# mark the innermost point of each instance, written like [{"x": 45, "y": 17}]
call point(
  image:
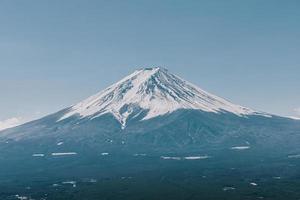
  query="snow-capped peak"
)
[{"x": 154, "y": 91}]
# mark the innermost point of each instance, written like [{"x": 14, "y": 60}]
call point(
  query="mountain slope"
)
[
  {"x": 157, "y": 109},
  {"x": 156, "y": 92}
]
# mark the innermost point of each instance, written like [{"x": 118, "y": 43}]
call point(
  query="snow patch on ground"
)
[
  {"x": 184, "y": 158},
  {"x": 22, "y": 197},
  {"x": 73, "y": 183},
  {"x": 196, "y": 157},
  {"x": 63, "y": 153},
  {"x": 228, "y": 188},
  {"x": 140, "y": 154},
  {"x": 92, "y": 180},
  {"x": 170, "y": 158},
  {"x": 294, "y": 156},
  {"x": 240, "y": 148},
  {"x": 38, "y": 155},
  {"x": 253, "y": 184}
]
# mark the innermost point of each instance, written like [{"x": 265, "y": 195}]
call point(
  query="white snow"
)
[
  {"x": 21, "y": 197},
  {"x": 140, "y": 154},
  {"x": 63, "y": 154},
  {"x": 240, "y": 148},
  {"x": 293, "y": 117},
  {"x": 12, "y": 122},
  {"x": 294, "y": 156},
  {"x": 156, "y": 91},
  {"x": 228, "y": 188},
  {"x": 170, "y": 158},
  {"x": 92, "y": 180},
  {"x": 73, "y": 183},
  {"x": 196, "y": 157},
  {"x": 38, "y": 155},
  {"x": 123, "y": 177},
  {"x": 184, "y": 158}
]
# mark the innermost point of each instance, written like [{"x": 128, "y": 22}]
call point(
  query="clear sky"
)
[{"x": 54, "y": 53}]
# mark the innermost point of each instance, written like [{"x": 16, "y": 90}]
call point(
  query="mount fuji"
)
[
  {"x": 155, "y": 91},
  {"x": 151, "y": 128},
  {"x": 155, "y": 108}
]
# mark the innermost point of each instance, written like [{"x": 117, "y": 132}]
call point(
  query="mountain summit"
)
[{"x": 152, "y": 92}]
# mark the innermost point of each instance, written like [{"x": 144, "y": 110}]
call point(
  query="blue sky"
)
[{"x": 55, "y": 53}]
